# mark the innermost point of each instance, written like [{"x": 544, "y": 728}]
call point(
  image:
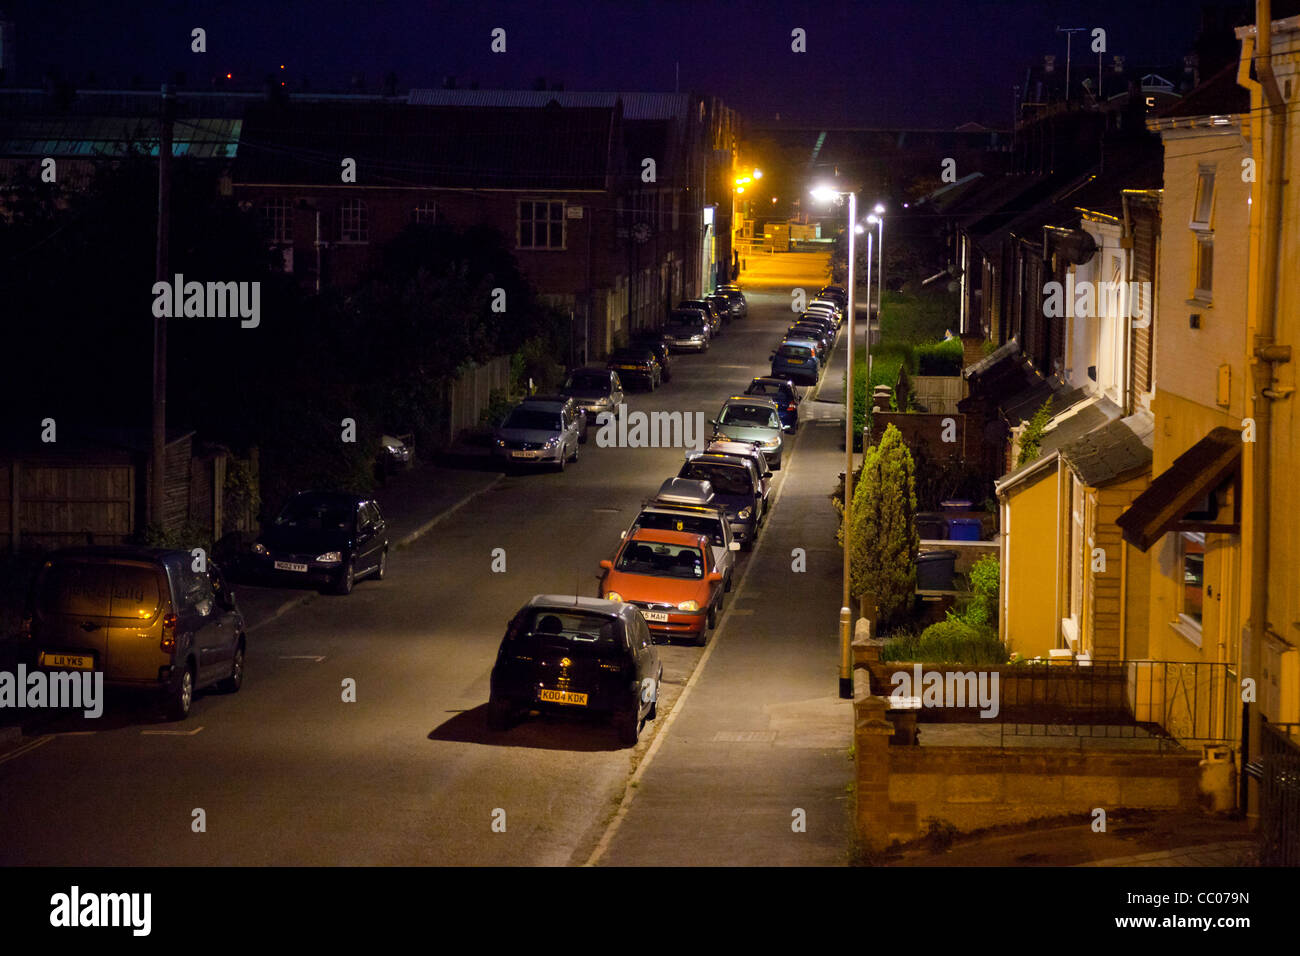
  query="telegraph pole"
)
[{"x": 158, "y": 482}]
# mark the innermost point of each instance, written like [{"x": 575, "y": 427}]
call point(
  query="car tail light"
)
[
  {"x": 790, "y": 407},
  {"x": 169, "y": 633}
]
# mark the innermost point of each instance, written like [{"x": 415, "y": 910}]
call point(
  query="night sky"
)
[{"x": 908, "y": 62}]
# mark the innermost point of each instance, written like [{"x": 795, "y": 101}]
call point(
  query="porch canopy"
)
[{"x": 1179, "y": 495}]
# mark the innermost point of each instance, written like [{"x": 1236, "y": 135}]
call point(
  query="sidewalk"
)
[{"x": 1228, "y": 853}]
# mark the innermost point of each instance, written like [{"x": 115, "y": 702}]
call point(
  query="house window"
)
[
  {"x": 354, "y": 222},
  {"x": 1204, "y": 206},
  {"x": 1191, "y": 561},
  {"x": 277, "y": 220},
  {"x": 1204, "y": 266},
  {"x": 541, "y": 224},
  {"x": 426, "y": 212}
]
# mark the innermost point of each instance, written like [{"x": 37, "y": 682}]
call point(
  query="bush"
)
[
  {"x": 1031, "y": 439},
  {"x": 957, "y": 641},
  {"x": 883, "y": 517},
  {"x": 939, "y": 358},
  {"x": 985, "y": 578}
]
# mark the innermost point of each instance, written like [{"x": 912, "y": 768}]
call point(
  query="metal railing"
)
[
  {"x": 1278, "y": 771},
  {"x": 1175, "y": 705}
]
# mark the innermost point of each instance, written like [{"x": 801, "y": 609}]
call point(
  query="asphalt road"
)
[{"x": 286, "y": 772}]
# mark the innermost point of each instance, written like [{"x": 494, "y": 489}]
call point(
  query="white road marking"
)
[
  {"x": 630, "y": 791},
  {"x": 26, "y": 748},
  {"x": 172, "y": 733},
  {"x": 301, "y": 657}
]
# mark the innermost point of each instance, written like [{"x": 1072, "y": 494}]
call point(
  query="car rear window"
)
[
  {"x": 691, "y": 524},
  {"x": 794, "y": 351},
  {"x": 588, "y": 382},
  {"x": 100, "y": 589},
  {"x": 726, "y": 479},
  {"x": 573, "y": 630},
  {"x": 661, "y": 560}
]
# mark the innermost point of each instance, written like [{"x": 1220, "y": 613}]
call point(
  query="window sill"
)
[
  {"x": 1187, "y": 629},
  {"x": 1201, "y": 300}
]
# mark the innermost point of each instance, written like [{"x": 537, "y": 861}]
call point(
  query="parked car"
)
[
  {"x": 815, "y": 332},
  {"x": 797, "y": 362},
  {"x": 567, "y": 653},
  {"x": 736, "y": 299},
  {"x": 710, "y": 520},
  {"x": 638, "y": 363},
  {"x": 565, "y": 404},
  {"x": 688, "y": 329},
  {"x": 142, "y": 616},
  {"x": 595, "y": 390},
  {"x": 752, "y": 419},
  {"x": 824, "y": 321},
  {"x": 808, "y": 338},
  {"x": 329, "y": 537},
  {"x": 744, "y": 449},
  {"x": 709, "y": 309},
  {"x": 737, "y": 484},
  {"x": 835, "y": 293},
  {"x": 396, "y": 453},
  {"x": 671, "y": 578},
  {"x": 782, "y": 391},
  {"x": 537, "y": 436},
  {"x": 654, "y": 341},
  {"x": 829, "y": 308},
  {"x": 722, "y": 304}
]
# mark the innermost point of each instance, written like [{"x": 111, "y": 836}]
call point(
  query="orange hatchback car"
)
[{"x": 670, "y": 576}]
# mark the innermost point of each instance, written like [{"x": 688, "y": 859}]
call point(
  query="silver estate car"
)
[{"x": 750, "y": 418}]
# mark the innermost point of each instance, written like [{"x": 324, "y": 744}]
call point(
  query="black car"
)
[
  {"x": 737, "y": 486},
  {"x": 709, "y": 308},
  {"x": 639, "y": 363},
  {"x": 655, "y": 342},
  {"x": 328, "y": 537},
  {"x": 722, "y": 304},
  {"x": 784, "y": 393},
  {"x": 736, "y": 300},
  {"x": 577, "y": 654}
]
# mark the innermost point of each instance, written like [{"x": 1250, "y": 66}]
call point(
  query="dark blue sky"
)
[{"x": 868, "y": 62}]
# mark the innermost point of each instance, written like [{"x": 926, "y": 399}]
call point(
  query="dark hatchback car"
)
[
  {"x": 736, "y": 300},
  {"x": 737, "y": 486},
  {"x": 577, "y": 654},
  {"x": 784, "y": 393},
  {"x": 655, "y": 342},
  {"x": 710, "y": 310},
  {"x": 144, "y": 617},
  {"x": 639, "y": 364},
  {"x": 325, "y": 537}
]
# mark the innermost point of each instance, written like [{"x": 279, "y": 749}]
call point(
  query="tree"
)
[{"x": 885, "y": 540}]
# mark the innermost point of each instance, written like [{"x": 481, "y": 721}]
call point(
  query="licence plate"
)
[
  {"x": 795, "y": 361},
  {"x": 562, "y": 697},
  {"x": 290, "y": 566},
  {"x": 630, "y": 368},
  {"x": 81, "y": 662},
  {"x": 660, "y": 617},
  {"x": 523, "y": 454}
]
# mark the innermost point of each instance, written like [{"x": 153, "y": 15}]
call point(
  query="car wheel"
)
[
  {"x": 629, "y": 725},
  {"x": 653, "y": 712},
  {"x": 178, "y": 704},
  {"x": 702, "y": 638},
  {"x": 498, "y": 714},
  {"x": 712, "y": 620},
  {"x": 383, "y": 565},
  {"x": 559, "y": 462},
  {"x": 235, "y": 681},
  {"x": 347, "y": 578},
  {"x": 574, "y": 456}
]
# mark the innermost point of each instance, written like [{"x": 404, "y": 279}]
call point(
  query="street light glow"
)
[
  {"x": 872, "y": 220},
  {"x": 824, "y": 193},
  {"x": 758, "y": 174},
  {"x": 879, "y": 210}
]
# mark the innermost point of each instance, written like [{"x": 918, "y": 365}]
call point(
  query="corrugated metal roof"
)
[
  {"x": 91, "y": 136},
  {"x": 636, "y": 106}
]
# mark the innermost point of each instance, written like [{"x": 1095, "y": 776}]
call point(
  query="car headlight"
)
[
  {"x": 745, "y": 513},
  {"x": 392, "y": 449},
  {"x": 330, "y": 557},
  {"x": 552, "y": 442},
  {"x": 772, "y": 443},
  {"x": 501, "y": 443},
  {"x": 689, "y": 606},
  {"x": 613, "y": 596},
  {"x": 259, "y": 548}
]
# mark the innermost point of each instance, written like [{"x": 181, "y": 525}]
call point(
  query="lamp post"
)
[
  {"x": 826, "y": 193},
  {"x": 880, "y": 252}
]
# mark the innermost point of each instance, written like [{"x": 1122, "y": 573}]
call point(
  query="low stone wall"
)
[{"x": 899, "y": 787}]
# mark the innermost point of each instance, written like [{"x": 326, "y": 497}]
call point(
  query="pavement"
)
[{"x": 1224, "y": 853}]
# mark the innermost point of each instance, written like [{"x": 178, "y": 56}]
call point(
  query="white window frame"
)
[
  {"x": 1185, "y": 623},
  {"x": 425, "y": 213},
  {"x": 277, "y": 220},
  {"x": 354, "y": 222},
  {"x": 552, "y": 219}
]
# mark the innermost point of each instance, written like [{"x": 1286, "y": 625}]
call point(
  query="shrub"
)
[
  {"x": 956, "y": 641},
  {"x": 939, "y": 358},
  {"x": 1031, "y": 439},
  {"x": 885, "y": 542}
]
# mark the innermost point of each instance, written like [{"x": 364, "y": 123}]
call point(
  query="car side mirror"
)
[
  {"x": 622, "y": 535},
  {"x": 734, "y": 546},
  {"x": 607, "y": 565},
  {"x": 714, "y": 577}
]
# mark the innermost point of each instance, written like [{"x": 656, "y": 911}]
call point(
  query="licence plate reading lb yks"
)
[
  {"x": 81, "y": 662},
  {"x": 660, "y": 617},
  {"x": 289, "y": 566},
  {"x": 561, "y": 697}
]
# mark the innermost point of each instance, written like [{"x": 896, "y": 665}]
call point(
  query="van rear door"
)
[
  {"x": 72, "y": 614},
  {"x": 139, "y": 602}
]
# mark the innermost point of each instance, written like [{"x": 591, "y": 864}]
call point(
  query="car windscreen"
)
[
  {"x": 685, "y": 320},
  {"x": 101, "y": 589},
  {"x": 754, "y": 416},
  {"x": 533, "y": 419},
  {"x": 691, "y": 524},
  {"x": 588, "y": 383},
  {"x": 312, "y": 514},
  {"x": 661, "y": 560},
  {"x": 726, "y": 479},
  {"x": 570, "y": 628}
]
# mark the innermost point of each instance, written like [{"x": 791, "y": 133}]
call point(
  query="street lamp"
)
[
  {"x": 880, "y": 252},
  {"x": 827, "y": 194}
]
